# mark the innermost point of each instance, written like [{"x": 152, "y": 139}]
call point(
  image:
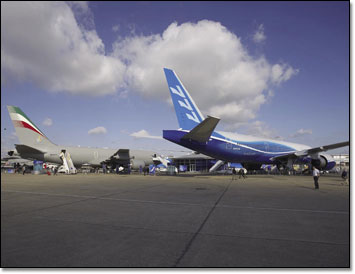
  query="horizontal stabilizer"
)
[
  {"x": 26, "y": 150},
  {"x": 202, "y": 132}
]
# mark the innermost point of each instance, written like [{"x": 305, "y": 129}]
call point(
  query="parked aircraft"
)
[
  {"x": 35, "y": 145},
  {"x": 198, "y": 134}
]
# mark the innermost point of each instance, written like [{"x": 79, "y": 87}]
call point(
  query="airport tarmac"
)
[{"x": 173, "y": 221}]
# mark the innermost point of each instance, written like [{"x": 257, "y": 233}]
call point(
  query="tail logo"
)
[
  {"x": 39, "y": 138},
  {"x": 185, "y": 104}
]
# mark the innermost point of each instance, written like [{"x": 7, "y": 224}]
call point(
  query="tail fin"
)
[
  {"x": 188, "y": 115},
  {"x": 27, "y": 132}
]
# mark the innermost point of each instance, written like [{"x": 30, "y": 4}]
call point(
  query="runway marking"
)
[
  {"x": 187, "y": 232},
  {"x": 274, "y": 239},
  {"x": 178, "y": 203},
  {"x": 288, "y": 209},
  {"x": 112, "y": 199},
  {"x": 48, "y": 194},
  {"x": 85, "y": 198},
  {"x": 194, "y": 235}
]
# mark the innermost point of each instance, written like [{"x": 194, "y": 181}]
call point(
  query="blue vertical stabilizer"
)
[{"x": 188, "y": 115}]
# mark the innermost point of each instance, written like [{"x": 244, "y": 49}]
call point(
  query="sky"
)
[{"x": 91, "y": 73}]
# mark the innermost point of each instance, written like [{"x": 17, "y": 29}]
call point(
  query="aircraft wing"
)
[{"x": 311, "y": 151}]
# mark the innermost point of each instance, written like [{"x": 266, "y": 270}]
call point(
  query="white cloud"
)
[
  {"x": 282, "y": 73},
  {"x": 43, "y": 42},
  {"x": 82, "y": 13},
  {"x": 261, "y": 129},
  {"x": 115, "y": 28},
  {"x": 301, "y": 132},
  {"x": 213, "y": 64},
  {"x": 55, "y": 45},
  {"x": 47, "y": 122},
  {"x": 144, "y": 134},
  {"x": 97, "y": 130},
  {"x": 259, "y": 36}
]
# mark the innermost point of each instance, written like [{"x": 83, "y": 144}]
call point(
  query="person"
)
[
  {"x": 55, "y": 170},
  {"x": 23, "y": 170},
  {"x": 241, "y": 173},
  {"x": 17, "y": 167},
  {"x": 344, "y": 175},
  {"x": 316, "y": 175},
  {"x": 234, "y": 174}
]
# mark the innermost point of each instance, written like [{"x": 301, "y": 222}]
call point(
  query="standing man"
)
[
  {"x": 241, "y": 173},
  {"x": 316, "y": 175},
  {"x": 234, "y": 176}
]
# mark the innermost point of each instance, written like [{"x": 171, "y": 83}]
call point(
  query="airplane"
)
[
  {"x": 35, "y": 145},
  {"x": 198, "y": 133}
]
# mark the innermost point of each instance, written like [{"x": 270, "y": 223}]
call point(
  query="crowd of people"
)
[{"x": 145, "y": 171}]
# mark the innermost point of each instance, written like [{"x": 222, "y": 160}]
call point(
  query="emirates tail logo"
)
[{"x": 39, "y": 139}]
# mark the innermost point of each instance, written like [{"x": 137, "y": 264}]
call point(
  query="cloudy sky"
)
[{"x": 91, "y": 74}]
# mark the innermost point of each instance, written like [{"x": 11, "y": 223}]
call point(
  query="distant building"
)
[
  {"x": 202, "y": 163},
  {"x": 194, "y": 162},
  {"x": 199, "y": 163}
]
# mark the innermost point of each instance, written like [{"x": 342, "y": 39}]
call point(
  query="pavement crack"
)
[
  {"x": 45, "y": 208},
  {"x": 187, "y": 247}
]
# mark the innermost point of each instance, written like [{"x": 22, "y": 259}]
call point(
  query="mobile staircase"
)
[
  {"x": 216, "y": 166},
  {"x": 67, "y": 162}
]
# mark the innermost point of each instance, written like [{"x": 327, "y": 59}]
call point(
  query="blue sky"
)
[{"x": 275, "y": 69}]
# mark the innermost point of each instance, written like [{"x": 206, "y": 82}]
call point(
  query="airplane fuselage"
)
[
  {"x": 198, "y": 133},
  {"x": 245, "y": 149},
  {"x": 85, "y": 155}
]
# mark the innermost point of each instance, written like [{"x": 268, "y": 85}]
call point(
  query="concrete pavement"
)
[{"x": 173, "y": 221}]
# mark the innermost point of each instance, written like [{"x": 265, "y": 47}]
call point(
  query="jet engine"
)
[
  {"x": 324, "y": 161},
  {"x": 136, "y": 164}
]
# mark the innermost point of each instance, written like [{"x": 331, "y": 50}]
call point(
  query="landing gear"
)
[{"x": 284, "y": 169}]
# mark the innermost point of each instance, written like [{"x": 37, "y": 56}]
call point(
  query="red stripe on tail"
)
[{"x": 25, "y": 125}]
